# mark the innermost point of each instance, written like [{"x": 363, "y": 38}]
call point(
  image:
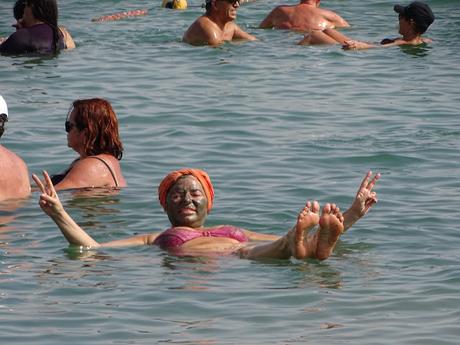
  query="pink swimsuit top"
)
[{"x": 176, "y": 237}]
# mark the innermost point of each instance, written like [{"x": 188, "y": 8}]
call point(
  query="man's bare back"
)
[
  {"x": 305, "y": 16},
  {"x": 14, "y": 176}
]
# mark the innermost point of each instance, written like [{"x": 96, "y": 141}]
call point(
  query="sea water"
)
[{"x": 275, "y": 124}]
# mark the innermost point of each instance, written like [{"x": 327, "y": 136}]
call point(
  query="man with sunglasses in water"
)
[
  {"x": 217, "y": 25},
  {"x": 14, "y": 175}
]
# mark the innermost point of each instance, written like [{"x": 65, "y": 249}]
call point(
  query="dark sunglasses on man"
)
[{"x": 234, "y": 2}]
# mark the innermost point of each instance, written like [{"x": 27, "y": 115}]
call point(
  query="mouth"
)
[{"x": 187, "y": 211}]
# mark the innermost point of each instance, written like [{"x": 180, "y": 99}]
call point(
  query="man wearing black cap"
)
[
  {"x": 217, "y": 25},
  {"x": 414, "y": 20},
  {"x": 14, "y": 175}
]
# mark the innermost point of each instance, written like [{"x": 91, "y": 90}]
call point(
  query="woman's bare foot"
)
[
  {"x": 330, "y": 229},
  {"x": 307, "y": 219}
]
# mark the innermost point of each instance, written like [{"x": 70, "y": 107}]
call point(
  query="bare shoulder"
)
[
  {"x": 14, "y": 175},
  {"x": 204, "y": 22},
  {"x": 327, "y": 12},
  {"x": 11, "y": 159},
  {"x": 283, "y": 8},
  {"x": 401, "y": 41},
  {"x": 91, "y": 172},
  {"x": 95, "y": 165},
  {"x": 333, "y": 17},
  {"x": 68, "y": 40},
  {"x": 203, "y": 31},
  {"x": 85, "y": 166}
]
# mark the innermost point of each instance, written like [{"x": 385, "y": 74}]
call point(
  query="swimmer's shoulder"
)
[
  {"x": 206, "y": 25},
  {"x": 399, "y": 41}
]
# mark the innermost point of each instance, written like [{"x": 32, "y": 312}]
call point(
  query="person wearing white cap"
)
[
  {"x": 217, "y": 25},
  {"x": 14, "y": 175}
]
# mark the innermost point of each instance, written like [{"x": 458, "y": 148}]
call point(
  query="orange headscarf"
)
[{"x": 173, "y": 176}]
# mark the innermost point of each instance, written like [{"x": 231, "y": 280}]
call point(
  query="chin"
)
[{"x": 187, "y": 221}]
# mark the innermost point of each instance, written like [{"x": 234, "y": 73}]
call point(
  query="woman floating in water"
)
[{"x": 187, "y": 196}]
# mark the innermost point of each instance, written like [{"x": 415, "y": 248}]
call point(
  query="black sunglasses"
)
[
  {"x": 69, "y": 126},
  {"x": 233, "y": 2}
]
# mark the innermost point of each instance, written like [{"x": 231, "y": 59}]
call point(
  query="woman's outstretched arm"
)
[
  {"x": 52, "y": 206},
  {"x": 257, "y": 236}
]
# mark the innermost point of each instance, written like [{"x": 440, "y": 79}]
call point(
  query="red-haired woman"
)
[{"x": 92, "y": 132}]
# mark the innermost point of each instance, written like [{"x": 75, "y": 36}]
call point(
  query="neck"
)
[
  {"x": 412, "y": 37},
  {"x": 35, "y": 22},
  {"x": 199, "y": 228},
  {"x": 220, "y": 22},
  {"x": 309, "y": 2}
]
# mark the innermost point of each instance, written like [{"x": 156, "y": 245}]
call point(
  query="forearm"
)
[
  {"x": 255, "y": 236},
  {"x": 278, "y": 249},
  {"x": 336, "y": 35},
  {"x": 72, "y": 231},
  {"x": 244, "y": 36},
  {"x": 139, "y": 240},
  {"x": 239, "y": 34},
  {"x": 350, "y": 217}
]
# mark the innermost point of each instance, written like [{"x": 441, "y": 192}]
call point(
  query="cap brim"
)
[
  {"x": 400, "y": 9},
  {"x": 3, "y": 106}
]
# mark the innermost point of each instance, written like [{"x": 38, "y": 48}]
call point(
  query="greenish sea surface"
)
[{"x": 274, "y": 124}]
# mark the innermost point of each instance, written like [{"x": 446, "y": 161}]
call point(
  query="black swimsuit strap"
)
[{"x": 108, "y": 167}]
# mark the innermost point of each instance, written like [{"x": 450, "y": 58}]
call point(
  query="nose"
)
[{"x": 187, "y": 198}]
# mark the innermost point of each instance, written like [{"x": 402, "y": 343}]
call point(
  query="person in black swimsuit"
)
[
  {"x": 92, "y": 131},
  {"x": 39, "y": 32}
]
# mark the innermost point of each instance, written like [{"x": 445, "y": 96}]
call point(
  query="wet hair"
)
[
  {"x": 47, "y": 12},
  {"x": 3, "y": 119},
  {"x": 18, "y": 9},
  {"x": 97, "y": 118}
]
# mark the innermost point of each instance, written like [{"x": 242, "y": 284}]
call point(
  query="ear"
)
[{"x": 84, "y": 131}]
